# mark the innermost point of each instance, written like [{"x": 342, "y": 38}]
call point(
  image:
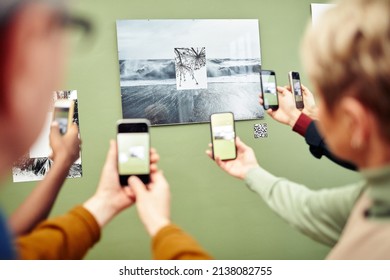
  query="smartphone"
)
[
  {"x": 223, "y": 136},
  {"x": 133, "y": 140},
  {"x": 269, "y": 90},
  {"x": 63, "y": 114},
  {"x": 296, "y": 88}
]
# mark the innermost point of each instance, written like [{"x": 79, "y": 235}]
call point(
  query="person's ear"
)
[{"x": 356, "y": 121}]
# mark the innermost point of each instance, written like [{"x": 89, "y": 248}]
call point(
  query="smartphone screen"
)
[
  {"x": 295, "y": 84},
  {"x": 133, "y": 140},
  {"x": 269, "y": 91},
  {"x": 63, "y": 114},
  {"x": 223, "y": 136}
]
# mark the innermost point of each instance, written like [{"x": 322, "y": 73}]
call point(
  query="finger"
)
[
  {"x": 209, "y": 154},
  {"x": 280, "y": 89},
  {"x": 241, "y": 147},
  {"x": 304, "y": 90},
  {"x": 158, "y": 180},
  {"x": 73, "y": 134},
  {"x": 271, "y": 113},
  {"x": 283, "y": 91},
  {"x": 154, "y": 158},
  {"x": 137, "y": 186},
  {"x": 55, "y": 130},
  {"x": 111, "y": 159},
  {"x": 73, "y": 129},
  {"x": 153, "y": 167},
  {"x": 129, "y": 192},
  {"x": 210, "y": 145},
  {"x": 220, "y": 162}
]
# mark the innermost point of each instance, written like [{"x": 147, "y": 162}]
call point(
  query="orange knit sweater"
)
[
  {"x": 172, "y": 243},
  {"x": 68, "y": 237}
]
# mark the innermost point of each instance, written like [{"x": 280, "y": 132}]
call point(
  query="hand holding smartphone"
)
[
  {"x": 268, "y": 90},
  {"x": 63, "y": 114},
  {"x": 296, "y": 89},
  {"x": 133, "y": 140},
  {"x": 223, "y": 136}
]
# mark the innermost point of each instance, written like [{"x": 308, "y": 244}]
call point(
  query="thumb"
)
[
  {"x": 55, "y": 131},
  {"x": 111, "y": 159},
  {"x": 137, "y": 186},
  {"x": 271, "y": 113},
  {"x": 73, "y": 130},
  {"x": 241, "y": 147},
  {"x": 158, "y": 178}
]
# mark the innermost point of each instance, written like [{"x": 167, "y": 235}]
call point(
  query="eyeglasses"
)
[
  {"x": 80, "y": 29},
  {"x": 68, "y": 21},
  {"x": 61, "y": 19}
]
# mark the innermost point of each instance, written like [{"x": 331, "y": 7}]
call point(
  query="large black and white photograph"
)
[
  {"x": 34, "y": 165},
  {"x": 182, "y": 71}
]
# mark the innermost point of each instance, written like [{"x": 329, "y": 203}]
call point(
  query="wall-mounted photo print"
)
[
  {"x": 35, "y": 165},
  {"x": 182, "y": 71}
]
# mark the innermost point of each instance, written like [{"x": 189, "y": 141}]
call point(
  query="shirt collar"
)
[{"x": 378, "y": 182}]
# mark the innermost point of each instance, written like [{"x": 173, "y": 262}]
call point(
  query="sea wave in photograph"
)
[{"x": 149, "y": 91}]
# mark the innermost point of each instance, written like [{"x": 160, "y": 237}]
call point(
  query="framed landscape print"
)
[{"x": 182, "y": 71}]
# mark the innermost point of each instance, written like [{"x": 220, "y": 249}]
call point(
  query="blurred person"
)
[
  {"x": 350, "y": 72},
  {"x": 32, "y": 62}
]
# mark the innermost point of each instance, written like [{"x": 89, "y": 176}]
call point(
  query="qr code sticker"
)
[{"x": 261, "y": 130}]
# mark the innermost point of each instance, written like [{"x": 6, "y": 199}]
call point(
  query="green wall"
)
[{"x": 219, "y": 211}]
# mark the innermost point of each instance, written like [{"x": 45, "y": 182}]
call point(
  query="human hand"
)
[
  {"x": 310, "y": 109},
  {"x": 110, "y": 197},
  {"x": 153, "y": 202},
  {"x": 65, "y": 148},
  {"x": 240, "y": 166},
  {"x": 287, "y": 112}
]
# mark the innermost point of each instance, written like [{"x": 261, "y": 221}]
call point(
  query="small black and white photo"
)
[
  {"x": 36, "y": 164},
  {"x": 199, "y": 67},
  {"x": 190, "y": 65}
]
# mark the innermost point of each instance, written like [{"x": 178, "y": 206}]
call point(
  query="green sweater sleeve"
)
[{"x": 319, "y": 214}]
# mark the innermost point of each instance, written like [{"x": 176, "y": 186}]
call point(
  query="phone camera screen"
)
[
  {"x": 269, "y": 90},
  {"x": 61, "y": 116},
  {"x": 133, "y": 153},
  {"x": 297, "y": 90},
  {"x": 223, "y": 135}
]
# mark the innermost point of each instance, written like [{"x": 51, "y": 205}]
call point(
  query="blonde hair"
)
[{"x": 347, "y": 53}]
